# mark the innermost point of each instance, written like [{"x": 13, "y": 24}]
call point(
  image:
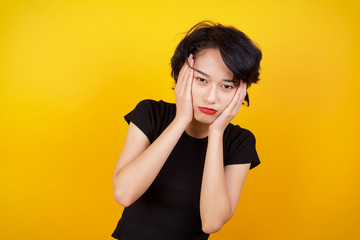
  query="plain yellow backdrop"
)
[{"x": 70, "y": 71}]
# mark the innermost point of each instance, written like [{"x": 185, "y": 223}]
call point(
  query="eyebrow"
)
[{"x": 207, "y": 75}]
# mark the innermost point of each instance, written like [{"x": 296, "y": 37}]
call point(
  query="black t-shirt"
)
[{"x": 170, "y": 208}]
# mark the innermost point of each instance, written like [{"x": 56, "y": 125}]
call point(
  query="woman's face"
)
[{"x": 213, "y": 86}]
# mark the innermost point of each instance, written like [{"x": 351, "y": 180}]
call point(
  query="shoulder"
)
[
  {"x": 152, "y": 117},
  {"x": 240, "y": 146},
  {"x": 152, "y": 107},
  {"x": 156, "y": 106},
  {"x": 235, "y": 132}
]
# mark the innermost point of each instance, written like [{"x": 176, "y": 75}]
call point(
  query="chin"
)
[{"x": 205, "y": 119}]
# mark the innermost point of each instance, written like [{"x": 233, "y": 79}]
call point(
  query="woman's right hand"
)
[{"x": 183, "y": 97}]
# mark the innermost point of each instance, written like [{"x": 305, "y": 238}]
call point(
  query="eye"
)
[
  {"x": 201, "y": 79},
  {"x": 227, "y": 86}
]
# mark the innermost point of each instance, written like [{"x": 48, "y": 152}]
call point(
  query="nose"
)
[{"x": 211, "y": 95}]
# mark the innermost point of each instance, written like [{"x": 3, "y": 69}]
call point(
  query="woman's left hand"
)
[{"x": 221, "y": 122}]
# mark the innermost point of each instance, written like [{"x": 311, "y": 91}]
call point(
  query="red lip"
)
[{"x": 207, "y": 110}]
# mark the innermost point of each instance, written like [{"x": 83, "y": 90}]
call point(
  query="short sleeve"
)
[
  {"x": 144, "y": 116},
  {"x": 242, "y": 148}
]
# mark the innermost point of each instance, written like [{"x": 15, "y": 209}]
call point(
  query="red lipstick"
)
[{"x": 207, "y": 110}]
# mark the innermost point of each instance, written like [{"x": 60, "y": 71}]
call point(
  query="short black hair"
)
[{"x": 239, "y": 53}]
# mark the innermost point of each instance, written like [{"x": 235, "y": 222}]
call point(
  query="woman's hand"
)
[
  {"x": 230, "y": 111},
  {"x": 183, "y": 97}
]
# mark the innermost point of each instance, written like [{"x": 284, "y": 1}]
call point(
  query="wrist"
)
[
  {"x": 213, "y": 133},
  {"x": 181, "y": 122}
]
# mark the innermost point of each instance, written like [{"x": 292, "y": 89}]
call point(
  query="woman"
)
[{"x": 182, "y": 167}]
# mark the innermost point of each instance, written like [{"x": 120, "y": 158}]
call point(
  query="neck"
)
[{"x": 197, "y": 129}]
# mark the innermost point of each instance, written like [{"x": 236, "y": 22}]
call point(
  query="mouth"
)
[{"x": 209, "y": 111}]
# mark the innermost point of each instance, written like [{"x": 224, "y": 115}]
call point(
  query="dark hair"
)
[{"x": 239, "y": 53}]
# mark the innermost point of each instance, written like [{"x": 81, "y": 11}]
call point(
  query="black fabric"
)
[{"x": 170, "y": 208}]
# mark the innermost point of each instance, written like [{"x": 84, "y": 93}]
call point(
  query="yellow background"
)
[{"x": 70, "y": 70}]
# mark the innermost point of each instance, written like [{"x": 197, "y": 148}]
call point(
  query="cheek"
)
[
  {"x": 195, "y": 91},
  {"x": 227, "y": 98}
]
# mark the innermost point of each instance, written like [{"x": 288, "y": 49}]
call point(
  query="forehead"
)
[{"x": 210, "y": 62}]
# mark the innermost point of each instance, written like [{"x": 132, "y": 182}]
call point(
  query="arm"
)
[
  {"x": 221, "y": 186},
  {"x": 139, "y": 162}
]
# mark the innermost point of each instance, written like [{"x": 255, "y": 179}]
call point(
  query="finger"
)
[
  {"x": 242, "y": 94},
  {"x": 238, "y": 97},
  {"x": 190, "y": 69},
  {"x": 242, "y": 90},
  {"x": 182, "y": 71},
  {"x": 182, "y": 75},
  {"x": 189, "y": 76},
  {"x": 184, "y": 67},
  {"x": 231, "y": 106}
]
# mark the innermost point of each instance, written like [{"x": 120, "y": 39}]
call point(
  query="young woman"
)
[{"x": 183, "y": 165}]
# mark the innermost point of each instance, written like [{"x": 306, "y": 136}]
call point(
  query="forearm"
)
[
  {"x": 215, "y": 207},
  {"x": 136, "y": 177}
]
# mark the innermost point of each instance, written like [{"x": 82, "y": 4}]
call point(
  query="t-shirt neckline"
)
[{"x": 194, "y": 138}]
